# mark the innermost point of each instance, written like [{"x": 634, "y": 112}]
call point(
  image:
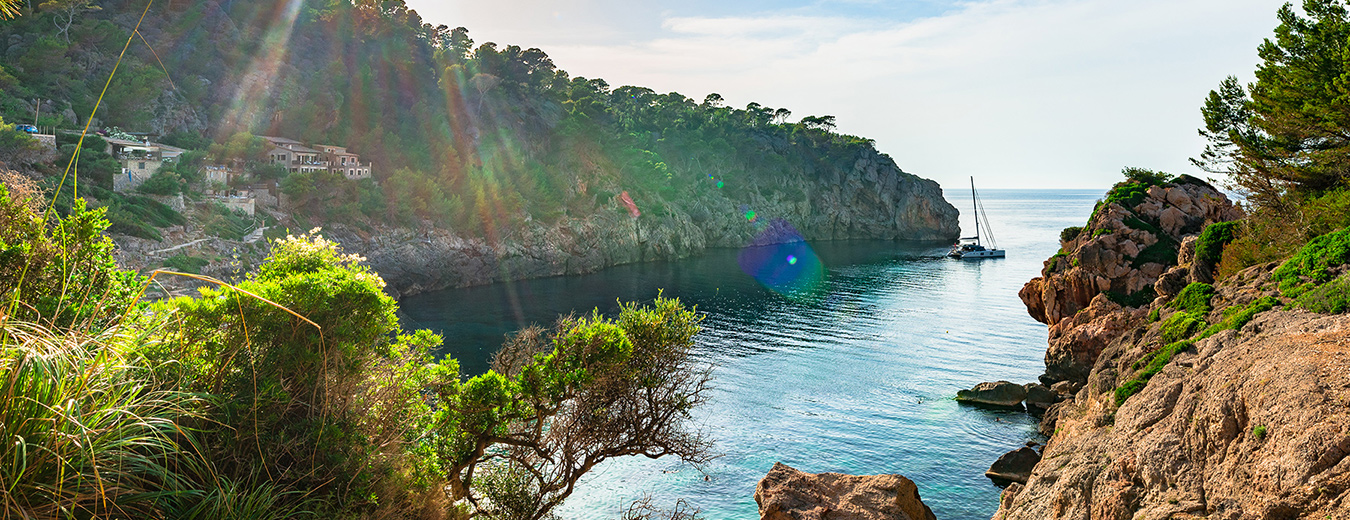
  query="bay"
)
[{"x": 855, "y": 376}]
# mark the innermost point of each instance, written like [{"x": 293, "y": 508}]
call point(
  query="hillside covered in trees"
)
[{"x": 480, "y": 139}]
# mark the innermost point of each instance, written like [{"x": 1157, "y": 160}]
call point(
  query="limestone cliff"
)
[{"x": 869, "y": 198}]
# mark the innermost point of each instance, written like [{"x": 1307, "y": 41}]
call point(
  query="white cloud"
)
[{"x": 1020, "y": 93}]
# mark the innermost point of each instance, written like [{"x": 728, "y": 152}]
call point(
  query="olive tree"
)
[{"x": 514, "y": 442}]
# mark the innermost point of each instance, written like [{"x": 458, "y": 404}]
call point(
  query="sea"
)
[{"x": 838, "y": 356}]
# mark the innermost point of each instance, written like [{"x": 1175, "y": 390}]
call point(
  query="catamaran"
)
[{"x": 972, "y": 248}]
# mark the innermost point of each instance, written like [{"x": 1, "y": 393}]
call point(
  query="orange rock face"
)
[{"x": 1123, "y": 252}]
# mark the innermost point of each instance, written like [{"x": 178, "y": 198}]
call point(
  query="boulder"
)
[
  {"x": 999, "y": 393},
  {"x": 1039, "y": 397},
  {"x": 788, "y": 494},
  {"x": 1014, "y": 466}
]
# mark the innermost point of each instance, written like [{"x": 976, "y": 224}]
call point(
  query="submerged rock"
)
[
  {"x": 788, "y": 494},
  {"x": 1014, "y": 466},
  {"x": 998, "y": 393}
]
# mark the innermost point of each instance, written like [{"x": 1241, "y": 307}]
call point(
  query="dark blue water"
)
[{"x": 856, "y": 379}]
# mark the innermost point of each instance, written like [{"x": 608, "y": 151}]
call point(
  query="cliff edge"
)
[{"x": 1198, "y": 399}]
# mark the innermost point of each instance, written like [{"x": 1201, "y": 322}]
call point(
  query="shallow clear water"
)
[{"x": 857, "y": 379}]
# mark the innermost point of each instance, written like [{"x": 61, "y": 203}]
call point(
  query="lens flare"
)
[{"x": 781, "y": 260}]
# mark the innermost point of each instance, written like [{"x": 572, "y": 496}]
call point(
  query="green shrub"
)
[
  {"x": 1209, "y": 246},
  {"x": 163, "y": 182},
  {"x": 1159, "y": 360},
  {"x": 1154, "y": 315},
  {"x": 1195, "y": 298},
  {"x": 1070, "y": 233},
  {"x": 328, "y": 404},
  {"x": 1139, "y": 298},
  {"x": 1147, "y": 177},
  {"x": 1127, "y": 194},
  {"x": 1330, "y": 298},
  {"x": 186, "y": 264},
  {"x": 1181, "y": 325},
  {"x": 1164, "y": 252},
  {"x": 1236, "y": 318},
  {"x": 59, "y": 272},
  {"x": 1259, "y": 432},
  {"x": 1313, "y": 263}
]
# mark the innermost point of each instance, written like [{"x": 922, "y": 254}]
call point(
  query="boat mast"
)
[{"x": 976, "y": 207}]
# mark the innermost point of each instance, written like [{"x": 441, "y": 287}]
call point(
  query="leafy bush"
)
[
  {"x": 59, "y": 272},
  {"x": 1164, "y": 252},
  {"x": 1128, "y": 194},
  {"x": 1235, "y": 318},
  {"x": 1159, "y": 360},
  {"x": 1195, "y": 298},
  {"x": 1147, "y": 177},
  {"x": 1181, "y": 325},
  {"x": 1193, "y": 308},
  {"x": 1070, "y": 233},
  {"x": 163, "y": 182},
  {"x": 1209, "y": 246},
  {"x": 330, "y": 400},
  {"x": 1137, "y": 299},
  {"x": 1259, "y": 432},
  {"x": 636, "y": 369},
  {"x": 1313, "y": 263},
  {"x": 186, "y": 264},
  {"x": 1330, "y": 298}
]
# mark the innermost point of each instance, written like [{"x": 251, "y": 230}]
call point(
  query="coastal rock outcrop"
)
[
  {"x": 788, "y": 494},
  {"x": 1014, "y": 466},
  {"x": 998, "y": 393},
  {"x": 1251, "y": 424},
  {"x": 1122, "y": 259}
]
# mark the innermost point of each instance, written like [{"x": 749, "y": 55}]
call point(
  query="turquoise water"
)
[{"x": 856, "y": 380}]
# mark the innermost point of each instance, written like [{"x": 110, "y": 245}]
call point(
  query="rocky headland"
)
[
  {"x": 1181, "y": 397},
  {"x": 871, "y": 198},
  {"x": 868, "y": 198}
]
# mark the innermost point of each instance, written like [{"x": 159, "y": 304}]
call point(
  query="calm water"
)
[{"x": 858, "y": 380}]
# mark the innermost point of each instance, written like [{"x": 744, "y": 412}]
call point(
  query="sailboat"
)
[{"x": 973, "y": 248}]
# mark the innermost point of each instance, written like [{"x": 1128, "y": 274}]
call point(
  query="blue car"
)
[{"x": 26, "y": 128}]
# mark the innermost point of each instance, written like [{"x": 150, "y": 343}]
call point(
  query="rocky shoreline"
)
[
  {"x": 869, "y": 198},
  {"x": 1177, "y": 398}
]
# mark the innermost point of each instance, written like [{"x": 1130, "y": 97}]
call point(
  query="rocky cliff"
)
[
  {"x": 1134, "y": 238},
  {"x": 1225, "y": 401},
  {"x": 1247, "y": 423},
  {"x": 869, "y": 198}
]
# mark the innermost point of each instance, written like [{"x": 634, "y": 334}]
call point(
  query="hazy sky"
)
[{"x": 1018, "y": 93}]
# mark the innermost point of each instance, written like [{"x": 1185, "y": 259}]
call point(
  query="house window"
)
[{"x": 141, "y": 165}]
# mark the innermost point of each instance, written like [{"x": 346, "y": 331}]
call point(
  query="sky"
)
[{"x": 1017, "y": 93}]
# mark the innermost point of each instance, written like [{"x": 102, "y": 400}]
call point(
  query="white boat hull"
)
[{"x": 979, "y": 255}]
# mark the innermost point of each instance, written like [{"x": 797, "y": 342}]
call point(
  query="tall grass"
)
[
  {"x": 89, "y": 432},
  {"x": 86, "y": 431}
]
